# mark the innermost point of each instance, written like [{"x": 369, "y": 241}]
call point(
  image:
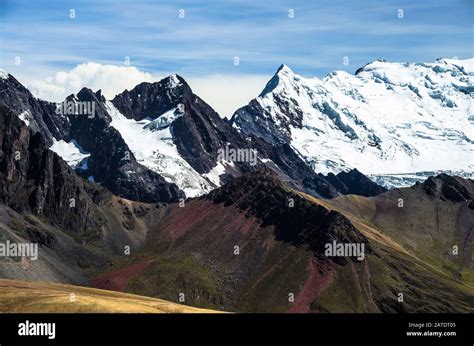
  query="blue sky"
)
[{"x": 212, "y": 33}]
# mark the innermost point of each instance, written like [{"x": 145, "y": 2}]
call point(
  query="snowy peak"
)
[
  {"x": 175, "y": 133},
  {"x": 284, "y": 71},
  {"x": 282, "y": 79},
  {"x": 388, "y": 118},
  {"x": 156, "y": 140}
]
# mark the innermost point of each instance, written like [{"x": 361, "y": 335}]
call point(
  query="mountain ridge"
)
[
  {"x": 255, "y": 240},
  {"x": 158, "y": 138}
]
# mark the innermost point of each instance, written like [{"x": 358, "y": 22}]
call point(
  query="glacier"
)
[{"x": 152, "y": 144}]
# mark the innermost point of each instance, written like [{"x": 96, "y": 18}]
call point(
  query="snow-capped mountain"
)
[
  {"x": 160, "y": 139},
  {"x": 387, "y": 118},
  {"x": 156, "y": 133},
  {"x": 88, "y": 144},
  {"x": 175, "y": 133}
]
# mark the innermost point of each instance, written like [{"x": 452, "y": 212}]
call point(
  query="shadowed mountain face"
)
[
  {"x": 34, "y": 179},
  {"x": 152, "y": 99},
  {"x": 76, "y": 224},
  {"x": 295, "y": 220},
  {"x": 255, "y": 244},
  {"x": 39, "y": 114}
]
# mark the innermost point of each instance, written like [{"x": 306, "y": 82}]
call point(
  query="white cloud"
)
[
  {"x": 109, "y": 78},
  {"x": 225, "y": 93}
]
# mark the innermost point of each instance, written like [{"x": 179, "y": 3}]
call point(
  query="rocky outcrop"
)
[
  {"x": 152, "y": 99},
  {"x": 36, "y": 180},
  {"x": 39, "y": 115},
  {"x": 295, "y": 219},
  {"x": 354, "y": 182}
]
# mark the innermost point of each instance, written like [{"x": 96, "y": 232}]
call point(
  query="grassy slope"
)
[
  {"x": 409, "y": 265},
  {"x": 199, "y": 262},
  {"x": 213, "y": 284},
  {"x": 30, "y": 297}
]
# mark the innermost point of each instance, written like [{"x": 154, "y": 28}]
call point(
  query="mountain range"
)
[
  {"x": 387, "y": 118},
  {"x": 133, "y": 194}
]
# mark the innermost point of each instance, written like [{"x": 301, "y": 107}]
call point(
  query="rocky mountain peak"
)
[
  {"x": 34, "y": 179},
  {"x": 150, "y": 100},
  {"x": 174, "y": 81},
  {"x": 39, "y": 115},
  {"x": 89, "y": 95},
  {"x": 355, "y": 183},
  {"x": 447, "y": 187}
]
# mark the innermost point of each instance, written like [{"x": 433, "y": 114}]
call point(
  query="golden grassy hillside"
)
[{"x": 39, "y": 297}]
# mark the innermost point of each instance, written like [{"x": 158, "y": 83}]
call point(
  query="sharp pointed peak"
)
[
  {"x": 284, "y": 69},
  {"x": 283, "y": 73}
]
